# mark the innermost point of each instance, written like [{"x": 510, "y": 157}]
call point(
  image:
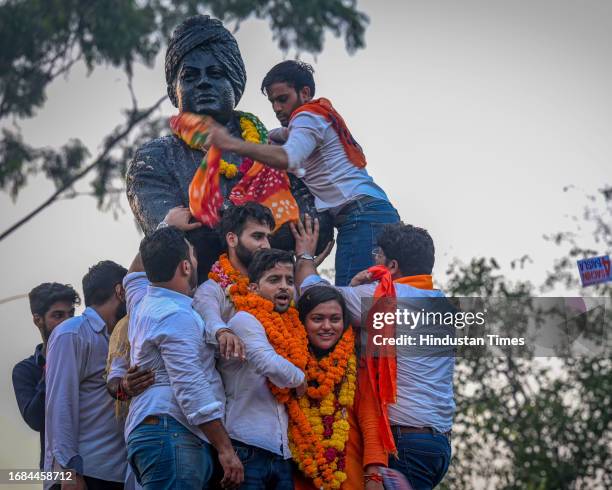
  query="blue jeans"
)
[
  {"x": 359, "y": 225},
  {"x": 167, "y": 455},
  {"x": 263, "y": 470},
  {"x": 422, "y": 458}
]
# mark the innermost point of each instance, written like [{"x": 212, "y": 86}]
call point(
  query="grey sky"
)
[{"x": 473, "y": 116}]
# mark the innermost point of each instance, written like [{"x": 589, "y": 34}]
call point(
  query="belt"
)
[
  {"x": 408, "y": 429},
  {"x": 151, "y": 420},
  {"x": 351, "y": 206}
]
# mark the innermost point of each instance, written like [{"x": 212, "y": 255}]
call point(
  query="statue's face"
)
[{"x": 202, "y": 86}]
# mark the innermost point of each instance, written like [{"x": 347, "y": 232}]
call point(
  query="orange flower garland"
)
[
  {"x": 231, "y": 280},
  {"x": 318, "y": 425}
]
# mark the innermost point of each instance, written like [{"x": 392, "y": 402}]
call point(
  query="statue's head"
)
[{"x": 204, "y": 69}]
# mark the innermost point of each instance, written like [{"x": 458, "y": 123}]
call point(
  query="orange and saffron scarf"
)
[
  {"x": 381, "y": 361},
  {"x": 260, "y": 183},
  {"x": 323, "y": 107}
]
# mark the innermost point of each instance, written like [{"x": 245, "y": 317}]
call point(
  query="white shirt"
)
[
  {"x": 81, "y": 429},
  {"x": 317, "y": 156},
  {"x": 252, "y": 414},
  {"x": 214, "y": 306},
  {"x": 424, "y": 384},
  {"x": 167, "y": 336}
]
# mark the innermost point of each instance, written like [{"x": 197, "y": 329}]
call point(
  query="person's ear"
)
[
  {"x": 38, "y": 320},
  {"x": 185, "y": 268},
  {"x": 253, "y": 287},
  {"x": 232, "y": 239},
  {"x": 393, "y": 266},
  {"x": 120, "y": 292},
  {"x": 305, "y": 94}
]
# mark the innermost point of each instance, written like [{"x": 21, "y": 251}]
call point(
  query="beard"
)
[
  {"x": 45, "y": 333},
  {"x": 244, "y": 254},
  {"x": 281, "y": 309},
  {"x": 121, "y": 311}
]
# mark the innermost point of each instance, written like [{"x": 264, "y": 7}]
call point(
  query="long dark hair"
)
[{"x": 316, "y": 295}]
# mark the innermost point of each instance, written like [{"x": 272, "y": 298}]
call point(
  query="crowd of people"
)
[
  {"x": 211, "y": 386},
  {"x": 256, "y": 376}
]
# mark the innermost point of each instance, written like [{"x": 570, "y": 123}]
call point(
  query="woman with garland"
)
[
  {"x": 334, "y": 427},
  {"x": 342, "y": 413}
]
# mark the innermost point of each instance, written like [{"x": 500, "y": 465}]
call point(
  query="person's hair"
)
[
  {"x": 100, "y": 281},
  {"x": 412, "y": 247},
  {"x": 161, "y": 253},
  {"x": 296, "y": 74},
  {"x": 266, "y": 259},
  {"x": 316, "y": 295},
  {"x": 45, "y": 294},
  {"x": 234, "y": 218}
]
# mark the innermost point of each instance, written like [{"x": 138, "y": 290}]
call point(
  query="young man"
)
[
  {"x": 81, "y": 430},
  {"x": 255, "y": 420},
  {"x": 422, "y": 417},
  {"x": 170, "y": 425},
  {"x": 245, "y": 230},
  {"x": 320, "y": 149},
  {"x": 50, "y": 303}
]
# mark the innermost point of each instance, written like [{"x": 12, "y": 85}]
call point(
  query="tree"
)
[
  {"x": 43, "y": 39},
  {"x": 522, "y": 423}
]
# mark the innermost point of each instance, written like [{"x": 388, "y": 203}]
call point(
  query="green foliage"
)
[
  {"x": 533, "y": 423},
  {"x": 43, "y": 39}
]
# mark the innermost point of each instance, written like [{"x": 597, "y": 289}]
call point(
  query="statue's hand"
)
[
  {"x": 306, "y": 235},
  {"x": 180, "y": 217}
]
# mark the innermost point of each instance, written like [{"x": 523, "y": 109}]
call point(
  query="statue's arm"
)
[{"x": 151, "y": 190}]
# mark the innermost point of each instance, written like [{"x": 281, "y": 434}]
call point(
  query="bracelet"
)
[{"x": 377, "y": 477}]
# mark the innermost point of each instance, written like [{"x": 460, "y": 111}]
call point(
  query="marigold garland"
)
[
  {"x": 230, "y": 279},
  {"x": 318, "y": 422},
  {"x": 250, "y": 133}
]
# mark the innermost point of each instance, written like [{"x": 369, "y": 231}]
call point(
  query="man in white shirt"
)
[
  {"x": 245, "y": 230},
  {"x": 422, "y": 417},
  {"x": 255, "y": 420},
  {"x": 318, "y": 147},
  {"x": 171, "y": 425}
]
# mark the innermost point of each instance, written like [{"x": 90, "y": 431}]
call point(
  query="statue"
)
[{"x": 205, "y": 75}]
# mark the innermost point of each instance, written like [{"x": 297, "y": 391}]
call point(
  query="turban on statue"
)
[{"x": 204, "y": 31}]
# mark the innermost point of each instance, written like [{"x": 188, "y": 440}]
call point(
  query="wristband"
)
[{"x": 377, "y": 477}]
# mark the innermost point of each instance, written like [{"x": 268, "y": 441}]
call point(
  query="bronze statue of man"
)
[{"x": 205, "y": 75}]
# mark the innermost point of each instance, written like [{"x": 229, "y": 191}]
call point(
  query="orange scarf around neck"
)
[
  {"x": 323, "y": 107},
  {"x": 382, "y": 366}
]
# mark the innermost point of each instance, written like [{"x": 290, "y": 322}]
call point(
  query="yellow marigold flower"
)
[
  {"x": 340, "y": 475},
  {"x": 231, "y": 171}
]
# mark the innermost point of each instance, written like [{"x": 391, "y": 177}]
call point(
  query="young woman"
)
[{"x": 341, "y": 443}]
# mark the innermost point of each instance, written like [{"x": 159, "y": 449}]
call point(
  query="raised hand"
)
[{"x": 180, "y": 217}]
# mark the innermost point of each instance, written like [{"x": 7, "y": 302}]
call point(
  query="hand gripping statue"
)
[{"x": 205, "y": 78}]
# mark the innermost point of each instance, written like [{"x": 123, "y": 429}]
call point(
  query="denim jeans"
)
[
  {"x": 167, "y": 455},
  {"x": 359, "y": 225},
  {"x": 263, "y": 470},
  {"x": 422, "y": 458}
]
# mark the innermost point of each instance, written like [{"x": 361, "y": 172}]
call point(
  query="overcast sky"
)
[{"x": 473, "y": 115}]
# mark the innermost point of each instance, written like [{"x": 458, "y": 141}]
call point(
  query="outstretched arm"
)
[{"x": 272, "y": 155}]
